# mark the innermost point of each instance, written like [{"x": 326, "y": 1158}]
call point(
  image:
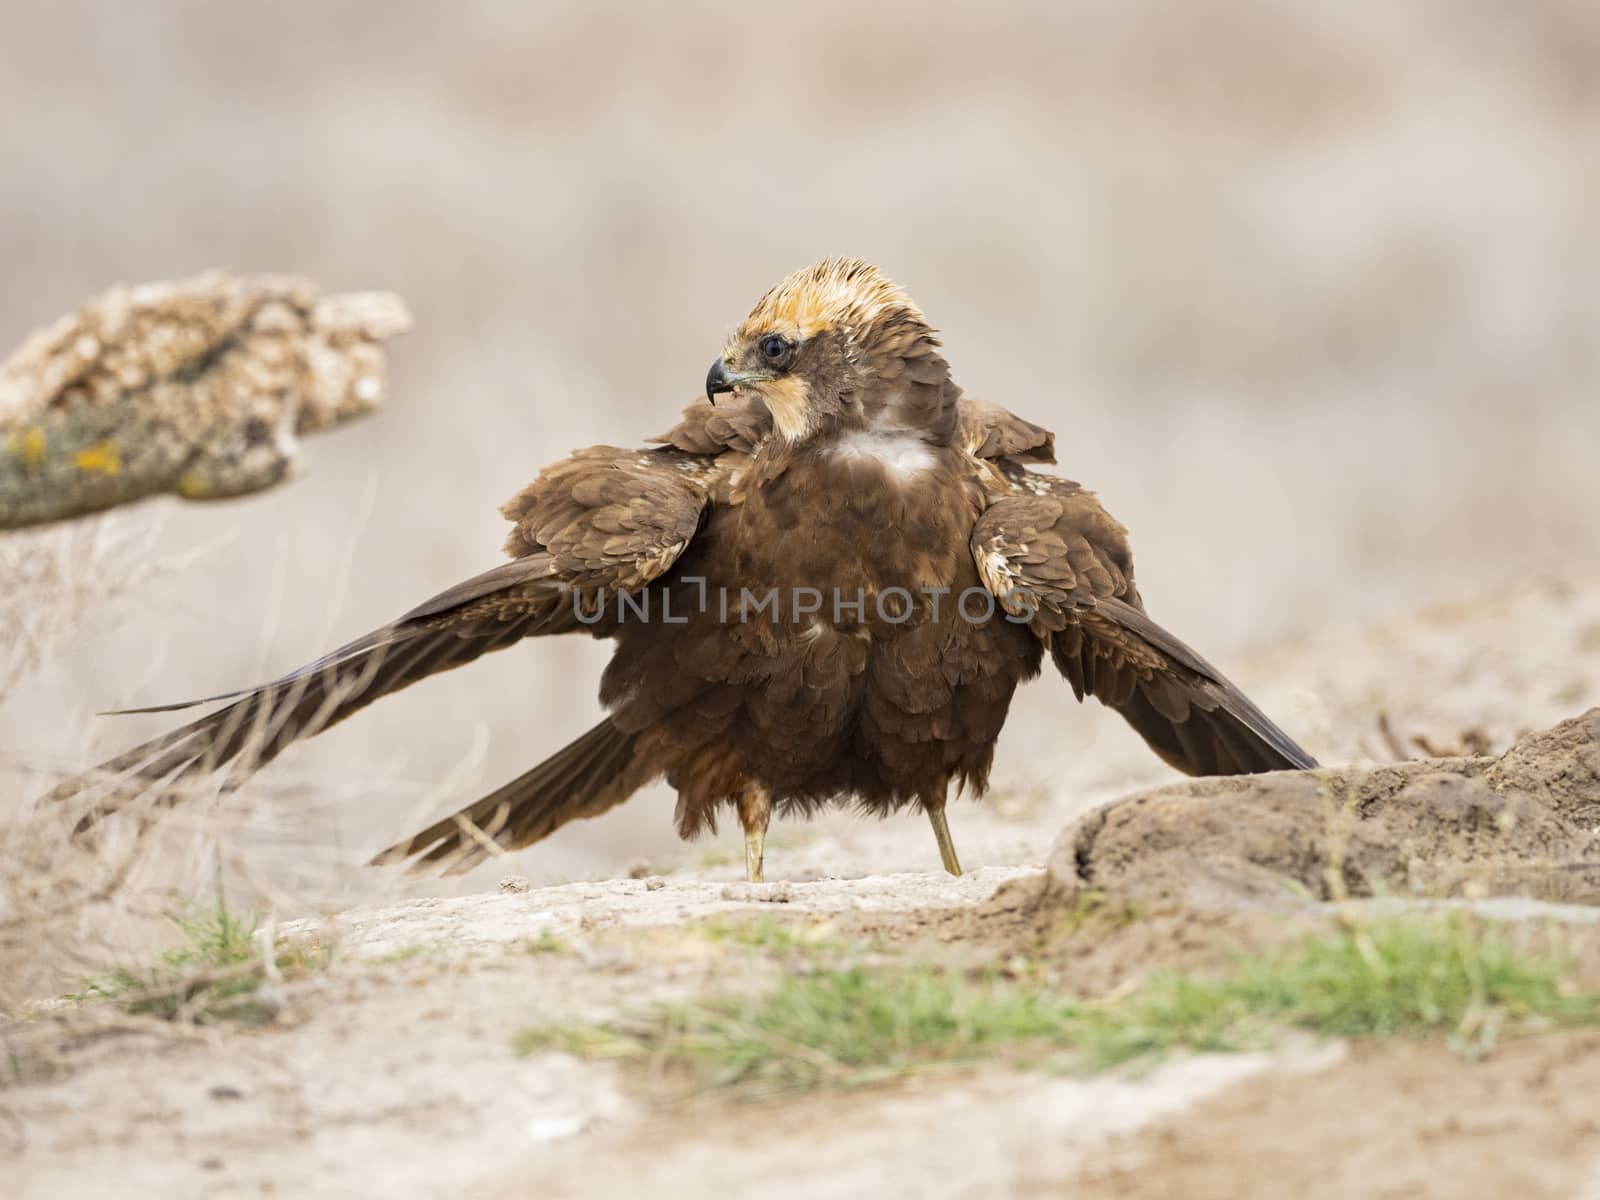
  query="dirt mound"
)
[{"x": 1525, "y": 823}]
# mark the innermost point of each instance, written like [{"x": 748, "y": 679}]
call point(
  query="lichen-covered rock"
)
[
  {"x": 1526, "y": 823},
  {"x": 200, "y": 387}
]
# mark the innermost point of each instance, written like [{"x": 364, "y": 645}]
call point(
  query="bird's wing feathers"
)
[
  {"x": 739, "y": 425},
  {"x": 501, "y": 581},
  {"x": 613, "y": 518},
  {"x": 604, "y": 518},
  {"x": 991, "y": 432},
  {"x": 1055, "y": 546},
  {"x": 1052, "y": 554}
]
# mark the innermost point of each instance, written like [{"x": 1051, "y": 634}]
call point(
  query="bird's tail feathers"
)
[{"x": 591, "y": 775}]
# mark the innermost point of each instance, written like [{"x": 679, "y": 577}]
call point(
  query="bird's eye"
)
[{"x": 775, "y": 348}]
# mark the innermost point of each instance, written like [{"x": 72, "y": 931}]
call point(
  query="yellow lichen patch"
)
[
  {"x": 195, "y": 485},
  {"x": 101, "y": 458},
  {"x": 29, "y": 445}
]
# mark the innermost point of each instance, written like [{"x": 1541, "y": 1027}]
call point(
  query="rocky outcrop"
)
[
  {"x": 1525, "y": 823},
  {"x": 201, "y": 388}
]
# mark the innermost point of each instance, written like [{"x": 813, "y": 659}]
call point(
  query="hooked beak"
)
[{"x": 719, "y": 379}]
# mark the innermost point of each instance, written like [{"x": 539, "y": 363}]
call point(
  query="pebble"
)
[{"x": 760, "y": 893}]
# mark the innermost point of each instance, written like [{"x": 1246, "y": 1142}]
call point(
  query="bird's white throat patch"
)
[{"x": 901, "y": 453}]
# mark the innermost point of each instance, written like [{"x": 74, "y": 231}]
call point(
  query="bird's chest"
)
[{"x": 863, "y": 517}]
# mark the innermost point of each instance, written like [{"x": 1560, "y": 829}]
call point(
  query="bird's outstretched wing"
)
[
  {"x": 605, "y": 518},
  {"x": 1052, "y": 553}
]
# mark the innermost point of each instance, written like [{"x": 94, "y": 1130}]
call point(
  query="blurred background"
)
[{"x": 1309, "y": 292}]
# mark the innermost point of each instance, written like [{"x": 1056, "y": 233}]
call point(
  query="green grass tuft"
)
[
  {"x": 214, "y": 974},
  {"x": 408, "y": 952},
  {"x": 849, "y": 1026},
  {"x": 546, "y": 943},
  {"x": 775, "y": 936},
  {"x": 1467, "y": 980},
  {"x": 1454, "y": 976}
]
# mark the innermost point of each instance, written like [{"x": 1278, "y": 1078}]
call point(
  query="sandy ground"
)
[
  {"x": 1391, "y": 1121},
  {"x": 391, "y": 1072},
  {"x": 1307, "y": 291}
]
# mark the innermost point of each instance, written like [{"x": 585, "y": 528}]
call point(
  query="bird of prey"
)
[{"x": 824, "y": 585}]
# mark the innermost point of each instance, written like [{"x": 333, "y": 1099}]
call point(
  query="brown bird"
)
[{"x": 823, "y": 589}]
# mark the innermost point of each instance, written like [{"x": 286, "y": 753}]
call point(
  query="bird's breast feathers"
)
[{"x": 903, "y": 455}]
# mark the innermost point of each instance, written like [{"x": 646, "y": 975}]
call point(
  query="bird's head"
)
[{"x": 837, "y": 346}]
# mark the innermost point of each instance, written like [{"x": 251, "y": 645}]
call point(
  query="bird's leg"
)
[
  {"x": 755, "y": 813},
  {"x": 941, "y": 834}
]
